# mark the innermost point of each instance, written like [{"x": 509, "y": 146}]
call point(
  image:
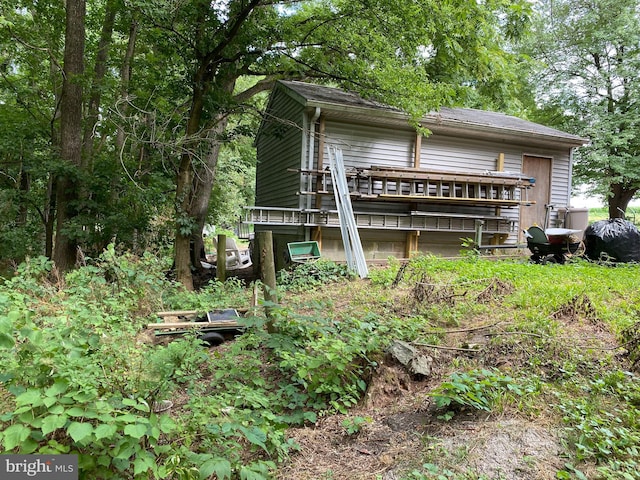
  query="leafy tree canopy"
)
[
  {"x": 590, "y": 57},
  {"x": 168, "y": 85}
]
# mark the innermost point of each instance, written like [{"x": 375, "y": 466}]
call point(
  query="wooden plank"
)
[
  {"x": 177, "y": 313},
  {"x": 418, "y": 213},
  {"x": 194, "y": 325},
  {"x": 188, "y": 313}
]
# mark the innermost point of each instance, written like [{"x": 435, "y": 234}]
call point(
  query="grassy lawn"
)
[{"x": 596, "y": 214}]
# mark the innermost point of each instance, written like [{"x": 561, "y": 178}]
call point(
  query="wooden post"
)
[
  {"x": 221, "y": 258},
  {"x": 416, "y": 154},
  {"x": 320, "y": 164},
  {"x": 316, "y": 234},
  {"x": 411, "y": 244},
  {"x": 499, "y": 168},
  {"x": 268, "y": 273}
]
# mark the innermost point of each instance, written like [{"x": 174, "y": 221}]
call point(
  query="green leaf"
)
[
  {"x": 28, "y": 446},
  {"x": 166, "y": 423},
  {"x": 53, "y": 422},
  {"x": 105, "y": 431},
  {"x": 56, "y": 409},
  {"x": 126, "y": 448},
  {"x": 84, "y": 397},
  {"x": 76, "y": 412},
  {"x": 255, "y": 436},
  {"x": 129, "y": 402},
  {"x": 6, "y": 341},
  {"x": 31, "y": 397},
  {"x": 79, "y": 431},
  {"x": 60, "y": 386},
  {"x": 144, "y": 462},
  {"x": 6, "y": 326},
  {"x": 136, "y": 430},
  {"x": 15, "y": 435},
  {"x": 127, "y": 418},
  {"x": 220, "y": 466}
]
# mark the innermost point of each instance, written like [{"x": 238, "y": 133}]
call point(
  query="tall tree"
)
[
  {"x": 417, "y": 55},
  {"x": 590, "y": 54},
  {"x": 65, "y": 249}
]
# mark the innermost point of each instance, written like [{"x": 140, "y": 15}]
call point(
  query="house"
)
[{"x": 479, "y": 174}]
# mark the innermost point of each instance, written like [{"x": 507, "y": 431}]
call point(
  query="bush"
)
[{"x": 307, "y": 276}]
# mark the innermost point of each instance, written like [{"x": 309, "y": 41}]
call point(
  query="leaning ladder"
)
[{"x": 350, "y": 236}]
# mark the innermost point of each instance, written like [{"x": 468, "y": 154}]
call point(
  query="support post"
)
[
  {"x": 320, "y": 165},
  {"x": 411, "y": 244},
  {"x": 416, "y": 153},
  {"x": 316, "y": 234},
  {"x": 478, "y": 239},
  {"x": 221, "y": 258},
  {"x": 268, "y": 274},
  {"x": 499, "y": 168}
]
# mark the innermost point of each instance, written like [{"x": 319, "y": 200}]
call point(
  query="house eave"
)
[
  {"x": 504, "y": 135},
  {"x": 368, "y": 112},
  {"x": 445, "y": 127}
]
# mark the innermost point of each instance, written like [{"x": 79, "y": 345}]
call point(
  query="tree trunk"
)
[
  {"x": 205, "y": 177},
  {"x": 185, "y": 224},
  {"x": 99, "y": 72},
  {"x": 25, "y": 188},
  {"x": 268, "y": 275},
  {"x": 49, "y": 216},
  {"x": 65, "y": 247},
  {"x": 125, "y": 77},
  {"x": 192, "y": 198},
  {"x": 620, "y": 199},
  {"x": 202, "y": 186}
]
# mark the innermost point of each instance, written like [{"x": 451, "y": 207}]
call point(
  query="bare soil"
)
[{"x": 403, "y": 431}]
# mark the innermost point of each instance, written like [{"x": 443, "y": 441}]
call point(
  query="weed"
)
[
  {"x": 431, "y": 471},
  {"x": 73, "y": 379},
  {"x": 311, "y": 275},
  {"x": 479, "y": 389},
  {"x": 601, "y": 431},
  {"x": 353, "y": 425}
]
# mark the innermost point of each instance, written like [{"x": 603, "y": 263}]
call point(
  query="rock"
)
[
  {"x": 411, "y": 358},
  {"x": 402, "y": 352},
  {"x": 421, "y": 365}
]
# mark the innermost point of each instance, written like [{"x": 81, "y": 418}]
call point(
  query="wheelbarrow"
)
[
  {"x": 553, "y": 245},
  {"x": 303, "y": 252}
]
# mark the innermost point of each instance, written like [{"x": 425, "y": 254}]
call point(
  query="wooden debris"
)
[
  {"x": 184, "y": 319},
  {"x": 199, "y": 325}
]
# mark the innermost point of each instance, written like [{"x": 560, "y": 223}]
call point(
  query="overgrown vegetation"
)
[{"x": 78, "y": 375}]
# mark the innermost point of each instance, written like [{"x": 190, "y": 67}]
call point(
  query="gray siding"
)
[
  {"x": 284, "y": 141},
  {"x": 280, "y": 147},
  {"x": 364, "y": 146}
]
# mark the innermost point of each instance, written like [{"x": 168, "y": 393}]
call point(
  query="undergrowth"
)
[{"x": 76, "y": 375}]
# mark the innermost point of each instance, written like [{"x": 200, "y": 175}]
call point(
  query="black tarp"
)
[{"x": 616, "y": 239}]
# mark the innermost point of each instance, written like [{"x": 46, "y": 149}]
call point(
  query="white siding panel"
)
[
  {"x": 451, "y": 153},
  {"x": 365, "y": 146}
]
